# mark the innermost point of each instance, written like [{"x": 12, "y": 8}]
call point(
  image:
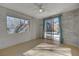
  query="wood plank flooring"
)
[{"x": 18, "y": 49}]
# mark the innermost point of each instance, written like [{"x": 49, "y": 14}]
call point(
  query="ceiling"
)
[{"x": 50, "y": 9}]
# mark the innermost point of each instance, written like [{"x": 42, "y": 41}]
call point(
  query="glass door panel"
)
[{"x": 52, "y": 29}]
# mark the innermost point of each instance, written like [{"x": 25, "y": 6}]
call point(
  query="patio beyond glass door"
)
[{"x": 52, "y": 29}]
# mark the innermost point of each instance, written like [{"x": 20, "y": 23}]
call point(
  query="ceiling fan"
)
[{"x": 40, "y": 7}]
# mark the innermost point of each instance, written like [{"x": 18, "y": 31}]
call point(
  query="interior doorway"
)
[{"x": 53, "y": 30}]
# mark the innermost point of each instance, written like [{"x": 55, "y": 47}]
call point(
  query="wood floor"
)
[{"x": 17, "y": 50}]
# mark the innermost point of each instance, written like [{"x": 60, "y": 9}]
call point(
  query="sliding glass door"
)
[{"x": 52, "y": 29}]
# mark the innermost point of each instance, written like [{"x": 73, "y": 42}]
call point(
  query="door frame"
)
[{"x": 60, "y": 25}]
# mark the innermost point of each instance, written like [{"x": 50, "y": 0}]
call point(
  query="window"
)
[{"x": 17, "y": 25}]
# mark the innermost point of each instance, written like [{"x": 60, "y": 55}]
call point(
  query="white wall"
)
[
  {"x": 70, "y": 26},
  {"x": 6, "y": 39}
]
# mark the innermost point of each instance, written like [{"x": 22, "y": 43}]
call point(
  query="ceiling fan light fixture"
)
[
  {"x": 40, "y": 7},
  {"x": 41, "y": 10}
]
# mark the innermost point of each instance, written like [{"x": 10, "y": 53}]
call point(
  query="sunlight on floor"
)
[{"x": 45, "y": 49}]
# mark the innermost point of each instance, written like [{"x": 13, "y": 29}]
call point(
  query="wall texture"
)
[
  {"x": 70, "y": 25},
  {"x": 6, "y": 39}
]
